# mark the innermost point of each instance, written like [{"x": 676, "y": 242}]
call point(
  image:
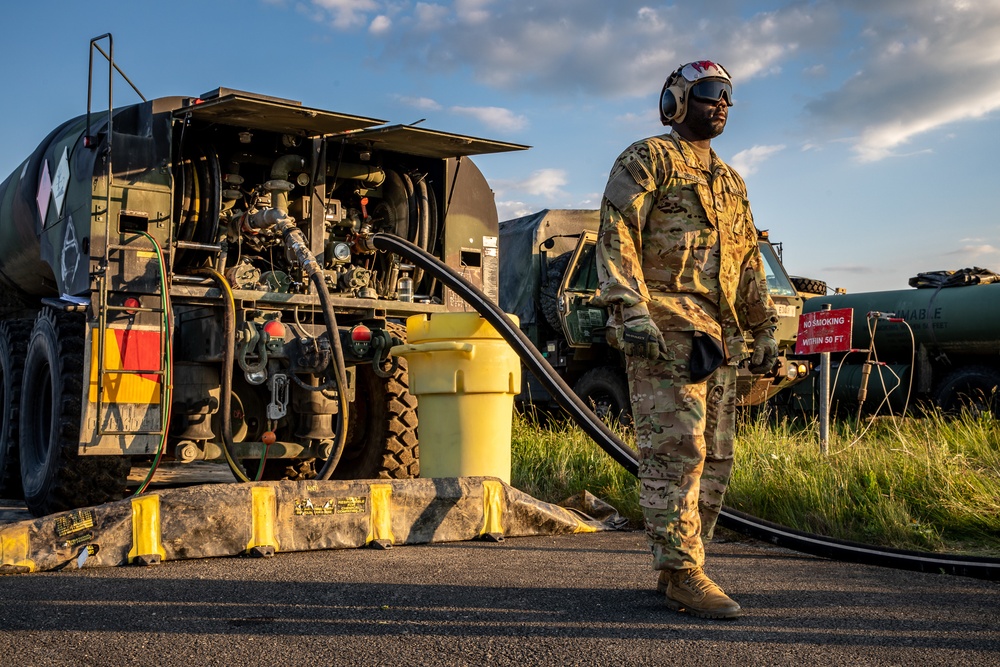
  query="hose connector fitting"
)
[{"x": 365, "y": 242}]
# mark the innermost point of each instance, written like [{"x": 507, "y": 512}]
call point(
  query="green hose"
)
[{"x": 168, "y": 376}]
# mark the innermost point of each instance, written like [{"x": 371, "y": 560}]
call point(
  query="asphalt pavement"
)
[{"x": 573, "y": 600}]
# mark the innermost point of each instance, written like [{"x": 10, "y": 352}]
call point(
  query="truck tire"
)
[
  {"x": 13, "y": 344},
  {"x": 382, "y": 427},
  {"x": 605, "y": 391},
  {"x": 53, "y": 475},
  {"x": 972, "y": 388},
  {"x": 808, "y": 286},
  {"x": 548, "y": 291}
]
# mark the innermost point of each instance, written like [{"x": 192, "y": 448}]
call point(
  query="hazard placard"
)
[{"x": 824, "y": 331}]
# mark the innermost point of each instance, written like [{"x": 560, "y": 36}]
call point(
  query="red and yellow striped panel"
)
[{"x": 128, "y": 349}]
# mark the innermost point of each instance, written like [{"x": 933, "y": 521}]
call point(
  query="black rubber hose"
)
[
  {"x": 209, "y": 230},
  {"x": 423, "y": 224},
  {"x": 856, "y": 552},
  {"x": 295, "y": 241},
  {"x": 228, "y": 364},
  {"x": 412, "y": 234},
  {"x": 808, "y": 543},
  {"x": 340, "y": 440},
  {"x": 434, "y": 237},
  {"x": 531, "y": 357}
]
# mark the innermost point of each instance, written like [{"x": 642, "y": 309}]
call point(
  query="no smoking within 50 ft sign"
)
[{"x": 824, "y": 331}]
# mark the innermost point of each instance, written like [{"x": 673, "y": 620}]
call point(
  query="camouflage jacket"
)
[{"x": 682, "y": 240}]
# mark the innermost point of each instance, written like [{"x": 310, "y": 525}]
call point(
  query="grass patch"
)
[
  {"x": 927, "y": 483},
  {"x": 555, "y": 460}
]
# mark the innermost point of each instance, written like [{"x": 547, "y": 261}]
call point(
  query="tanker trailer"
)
[
  {"x": 952, "y": 359},
  {"x": 184, "y": 279}
]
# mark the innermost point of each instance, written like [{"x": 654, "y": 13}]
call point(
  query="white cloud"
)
[
  {"x": 543, "y": 184},
  {"x": 570, "y": 46},
  {"x": 380, "y": 24},
  {"x": 747, "y": 161},
  {"x": 926, "y": 65},
  {"x": 508, "y": 210},
  {"x": 429, "y": 17},
  {"x": 543, "y": 188},
  {"x": 974, "y": 251},
  {"x": 645, "y": 119},
  {"x": 472, "y": 11},
  {"x": 496, "y": 118},
  {"x": 347, "y": 13},
  {"x": 922, "y": 65},
  {"x": 422, "y": 103}
]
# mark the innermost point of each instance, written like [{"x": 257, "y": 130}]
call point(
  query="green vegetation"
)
[{"x": 930, "y": 483}]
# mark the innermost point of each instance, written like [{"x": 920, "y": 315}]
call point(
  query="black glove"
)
[
  {"x": 765, "y": 353},
  {"x": 638, "y": 336}
]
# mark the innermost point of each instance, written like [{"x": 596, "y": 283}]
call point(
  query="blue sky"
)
[{"x": 865, "y": 130}]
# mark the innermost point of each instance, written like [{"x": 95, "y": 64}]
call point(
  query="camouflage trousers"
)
[{"x": 684, "y": 432}]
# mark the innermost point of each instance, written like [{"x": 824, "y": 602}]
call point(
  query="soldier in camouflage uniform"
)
[{"x": 679, "y": 265}]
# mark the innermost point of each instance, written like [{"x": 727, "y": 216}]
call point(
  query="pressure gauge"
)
[{"x": 341, "y": 252}]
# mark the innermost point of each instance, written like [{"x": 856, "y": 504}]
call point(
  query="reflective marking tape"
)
[
  {"x": 263, "y": 510},
  {"x": 146, "y": 535},
  {"x": 492, "y": 508},
  {"x": 381, "y": 514}
]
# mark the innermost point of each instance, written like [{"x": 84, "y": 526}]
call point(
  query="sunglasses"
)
[{"x": 712, "y": 91}]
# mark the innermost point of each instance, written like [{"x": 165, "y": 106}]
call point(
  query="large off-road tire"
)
[
  {"x": 13, "y": 344},
  {"x": 972, "y": 388},
  {"x": 808, "y": 287},
  {"x": 382, "y": 426},
  {"x": 54, "y": 476},
  {"x": 548, "y": 291},
  {"x": 605, "y": 391}
]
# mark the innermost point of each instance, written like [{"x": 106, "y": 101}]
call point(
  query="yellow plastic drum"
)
[{"x": 465, "y": 377}]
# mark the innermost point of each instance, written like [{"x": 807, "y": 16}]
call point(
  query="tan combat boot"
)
[{"x": 692, "y": 591}]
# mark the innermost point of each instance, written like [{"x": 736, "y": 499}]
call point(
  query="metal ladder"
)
[
  {"x": 103, "y": 309},
  {"x": 103, "y": 305}
]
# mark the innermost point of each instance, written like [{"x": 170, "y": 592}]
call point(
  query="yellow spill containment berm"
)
[{"x": 263, "y": 518}]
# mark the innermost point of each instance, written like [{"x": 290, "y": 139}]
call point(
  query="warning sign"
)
[{"x": 824, "y": 331}]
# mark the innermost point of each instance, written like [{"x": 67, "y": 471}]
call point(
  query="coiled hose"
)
[{"x": 809, "y": 543}]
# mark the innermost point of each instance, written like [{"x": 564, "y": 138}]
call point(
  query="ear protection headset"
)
[{"x": 673, "y": 99}]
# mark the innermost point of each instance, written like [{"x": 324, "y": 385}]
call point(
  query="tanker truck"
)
[
  {"x": 952, "y": 359},
  {"x": 187, "y": 279},
  {"x": 548, "y": 276}
]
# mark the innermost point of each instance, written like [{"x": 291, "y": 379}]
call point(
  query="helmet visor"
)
[{"x": 712, "y": 91}]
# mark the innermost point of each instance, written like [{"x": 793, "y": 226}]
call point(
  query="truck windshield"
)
[{"x": 778, "y": 283}]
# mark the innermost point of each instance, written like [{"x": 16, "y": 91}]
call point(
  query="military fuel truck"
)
[
  {"x": 186, "y": 279},
  {"x": 548, "y": 276},
  {"x": 933, "y": 344}
]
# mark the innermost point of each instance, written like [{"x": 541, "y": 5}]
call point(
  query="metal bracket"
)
[{"x": 278, "y": 407}]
